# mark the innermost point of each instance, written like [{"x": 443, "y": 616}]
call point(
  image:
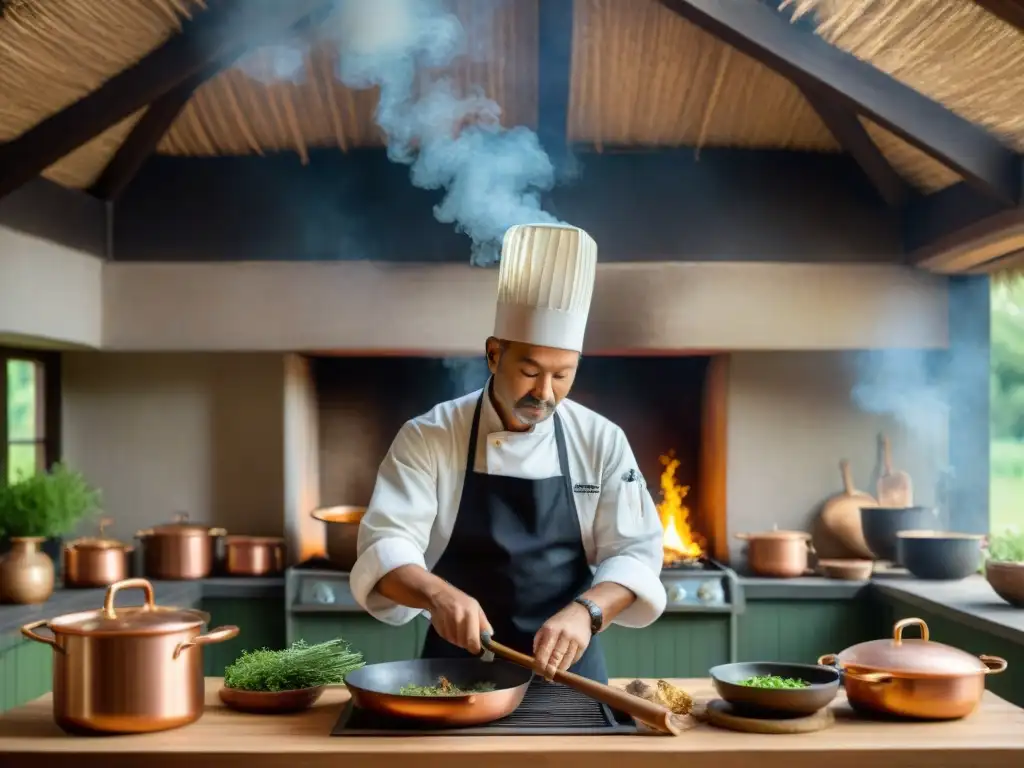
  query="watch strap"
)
[{"x": 596, "y": 614}]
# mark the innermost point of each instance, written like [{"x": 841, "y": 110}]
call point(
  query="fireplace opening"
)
[{"x": 672, "y": 410}]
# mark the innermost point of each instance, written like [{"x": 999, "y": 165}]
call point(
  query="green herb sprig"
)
[
  {"x": 1007, "y": 547},
  {"x": 294, "y": 668},
  {"x": 773, "y": 681},
  {"x": 445, "y": 688}
]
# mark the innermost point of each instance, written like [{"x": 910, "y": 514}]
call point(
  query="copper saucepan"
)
[
  {"x": 778, "y": 554},
  {"x": 253, "y": 555},
  {"x": 913, "y": 678},
  {"x": 341, "y": 525},
  {"x": 127, "y": 669},
  {"x": 95, "y": 561},
  {"x": 180, "y": 550}
]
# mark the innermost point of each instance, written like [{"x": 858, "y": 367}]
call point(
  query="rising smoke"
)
[
  {"x": 467, "y": 374},
  {"x": 452, "y": 140}
]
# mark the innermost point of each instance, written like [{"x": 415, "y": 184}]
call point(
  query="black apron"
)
[{"x": 516, "y": 548}]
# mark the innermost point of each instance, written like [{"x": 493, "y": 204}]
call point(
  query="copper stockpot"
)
[
  {"x": 913, "y": 678},
  {"x": 96, "y": 561},
  {"x": 127, "y": 670},
  {"x": 179, "y": 551},
  {"x": 253, "y": 555},
  {"x": 342, "y": 532},
  {"x": 778, "y": 554}
]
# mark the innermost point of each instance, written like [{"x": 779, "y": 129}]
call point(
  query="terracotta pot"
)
[
  {"x": 342, "y": 525},
  {"x": 96, "y": 561},
  {"x": 127, "y": 670},
  {"x": 913, "y": 678},
  {"x": 253, "y": 555},
  {"x": 1007, "y": 579},
  {"x": 179, "y": 551},
  {"x": 778, "y": 554},
  {"x": 26, "y": 572}
]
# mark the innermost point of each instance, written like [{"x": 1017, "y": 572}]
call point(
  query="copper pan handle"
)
[
  {"x": 993, "y": 664},
  {"x": 218, "y": 635},
  {"x": 29, "y": 631},
  {"x": 902, "y": 624},
  {"x": 655, "y": 715},
  {"x": 872, "y": 678}
]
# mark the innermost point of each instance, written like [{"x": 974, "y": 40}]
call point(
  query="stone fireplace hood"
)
[{"x": 438, "y": 310}]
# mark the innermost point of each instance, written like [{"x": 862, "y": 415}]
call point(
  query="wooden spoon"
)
[
  {"x": 648, "y": 712},
  {"x": 895, "y": 489}
]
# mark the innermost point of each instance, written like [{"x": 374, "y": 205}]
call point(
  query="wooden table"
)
[{"x": 993, "y": 737}]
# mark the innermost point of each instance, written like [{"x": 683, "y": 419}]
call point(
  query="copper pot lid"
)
[
  {"x": 915, "y": 656},
  {"x": 182, "y": 527},
  {"x": 146, "y": 619},
  {"x": 98, "y": 541},
  {"x": 775, "y": 535},
  {"x": 341, "y": 514}
]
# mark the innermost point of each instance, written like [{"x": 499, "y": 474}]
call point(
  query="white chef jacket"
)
[{"x": 416, "y": 499}]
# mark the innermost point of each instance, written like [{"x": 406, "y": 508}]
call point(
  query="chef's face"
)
[{"x": 529, "y": 381}]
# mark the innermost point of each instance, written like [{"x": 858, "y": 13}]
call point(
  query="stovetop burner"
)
[
  {"x": 548, "y": 709},
  {"x": 696, "y": 564}
]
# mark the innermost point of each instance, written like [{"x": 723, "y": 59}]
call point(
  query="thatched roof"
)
[{"x": 641, "y": 75}]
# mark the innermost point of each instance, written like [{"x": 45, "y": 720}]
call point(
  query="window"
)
[{"x": 30, "y": 422}]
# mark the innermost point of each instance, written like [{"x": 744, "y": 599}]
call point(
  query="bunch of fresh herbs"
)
[
  {"x": 47, "y": 504},
  {"x": 1007, "y": 547},
  {"x": 294, "y": 668}
]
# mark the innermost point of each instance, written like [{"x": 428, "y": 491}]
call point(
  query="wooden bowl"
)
[
  {"x": 264, "y": 703},
  {"x": 1007, "y": 579},
  {"x": 846, "y": 570}
]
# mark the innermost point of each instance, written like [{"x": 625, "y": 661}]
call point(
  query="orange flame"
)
[{"x": 679, "y": 542}]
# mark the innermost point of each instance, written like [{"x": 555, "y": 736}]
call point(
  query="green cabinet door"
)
[
  {"x": 260, "y": 622},
  {"x": 377, "y": 642},
  {"x": 800, "y": 631},
  {"x": 26, "y": 673},
  {"x": 676, "y": 645}
]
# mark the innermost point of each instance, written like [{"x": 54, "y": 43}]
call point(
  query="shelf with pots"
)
[{"x": 36, "y": 512}]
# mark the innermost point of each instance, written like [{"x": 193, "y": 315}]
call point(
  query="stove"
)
[
  {"x": 701, "y": 585},
  {"x": 548, "y": 709}
]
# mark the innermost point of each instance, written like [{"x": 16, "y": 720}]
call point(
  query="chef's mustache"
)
[{"x": 529, "y": 401}]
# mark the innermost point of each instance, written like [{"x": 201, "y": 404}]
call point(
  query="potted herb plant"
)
[
  {"x": 1004, "y": 567},
  {"x": 35, "y": 510}
]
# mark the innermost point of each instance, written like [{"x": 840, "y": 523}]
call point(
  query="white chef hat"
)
[{"x": 545, "y": 283}]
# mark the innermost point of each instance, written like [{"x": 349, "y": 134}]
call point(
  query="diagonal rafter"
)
[
  {"x": 848, "y": 130},
  {"x": 763, "y": 33},
  {"x": 222, "y": 32}
]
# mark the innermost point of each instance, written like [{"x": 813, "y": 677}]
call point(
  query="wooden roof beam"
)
[
  {"x": 848, "y": 130},
  {"x": 226, "y": 29},
  {"x": 1010, "y": 11},
  {"x": 554, "y": 80},
  {"x": 765, "y": 34}
]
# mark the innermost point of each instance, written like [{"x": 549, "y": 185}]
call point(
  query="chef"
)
[{"x": 514, "y": 510}]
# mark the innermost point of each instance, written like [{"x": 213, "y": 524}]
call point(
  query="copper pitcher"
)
[{"x": 127, "y": 670}]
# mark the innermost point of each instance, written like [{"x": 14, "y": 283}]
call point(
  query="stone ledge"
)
[{"x": 174, "y": 593}]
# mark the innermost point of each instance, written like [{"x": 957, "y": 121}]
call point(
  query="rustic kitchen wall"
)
[{"x": 159, "y": 433}]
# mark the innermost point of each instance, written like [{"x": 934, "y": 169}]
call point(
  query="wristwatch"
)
[{"x": 596, "y": 616}]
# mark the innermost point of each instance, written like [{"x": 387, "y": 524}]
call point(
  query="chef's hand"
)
[
  {"x": 458, "y": 618},
  {"x": 562, "y": 640}
]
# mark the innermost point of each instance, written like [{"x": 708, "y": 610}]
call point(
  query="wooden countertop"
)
[{"x": 993, "y": 737}]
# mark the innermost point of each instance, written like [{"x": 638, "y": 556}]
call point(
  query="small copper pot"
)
[
  {"x": 913, "y": 678},
  {"x": 179, "y": 551},
  {"x": 778, "y": 554},
  {"x": 96, "y": 561},
  {"x": 253, "y": 555},
  {"x": 127, "y": 670}
]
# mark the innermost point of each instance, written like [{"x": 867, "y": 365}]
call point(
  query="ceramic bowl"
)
[
  {"x": 1007, "y": 579},
  {"x": 265, "y": 703},
  {"x": 940, "y": 555},
  {"x": 881, "y": 524},
  {"x": 773, "y": 702},
  {"x": 846, "y": 570}
]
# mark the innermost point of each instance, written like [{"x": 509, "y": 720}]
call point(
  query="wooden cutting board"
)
[
  {"x": 837, "y": 531},
  {"x": 721, "y": 715},
  {"x": 895, "y": 488}
]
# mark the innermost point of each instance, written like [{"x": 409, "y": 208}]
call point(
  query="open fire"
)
[{"x": 680, "y": 543}]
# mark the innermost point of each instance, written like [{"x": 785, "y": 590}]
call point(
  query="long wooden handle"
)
[
  {"x": 844, "y": 468},
  {"x": 886, "y": 455},
  {"x": 655, "y": 715}
]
